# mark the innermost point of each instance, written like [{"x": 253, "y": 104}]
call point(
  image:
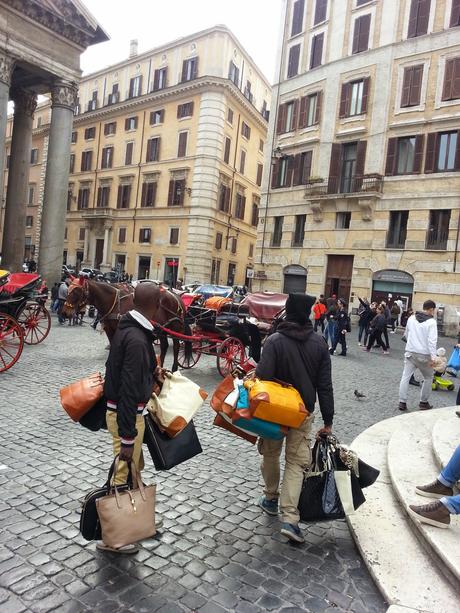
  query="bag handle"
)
[{"x": 133, "y": 471}]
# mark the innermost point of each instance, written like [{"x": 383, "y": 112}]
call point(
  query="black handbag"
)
[
  {"x": 94, "y": 419},
  {"x": 90, "y": 527},
  {"x": 169, "y": 452}
]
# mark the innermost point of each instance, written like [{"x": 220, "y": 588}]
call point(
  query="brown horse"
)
[{"x": 112, "y": 301}]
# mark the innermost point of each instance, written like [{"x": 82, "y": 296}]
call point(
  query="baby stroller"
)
[{"x": 440, "y": 382}]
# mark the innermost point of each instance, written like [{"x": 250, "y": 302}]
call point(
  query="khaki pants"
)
[
  {"x": 298, "y": 457},
  {"x": 122, "y": 473}
]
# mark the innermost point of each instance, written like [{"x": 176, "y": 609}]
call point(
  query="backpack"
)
[{"x": 395, "y": 310}]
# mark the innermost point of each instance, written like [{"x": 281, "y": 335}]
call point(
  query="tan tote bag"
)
[
  {"x": 128, "y": 516},
  {"x": 177, "y": 403}
]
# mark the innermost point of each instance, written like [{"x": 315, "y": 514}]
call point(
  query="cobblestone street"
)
[{"x": 217, "y": 551}]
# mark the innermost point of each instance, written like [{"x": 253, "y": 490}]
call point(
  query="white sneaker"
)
[{"x": 359, "y": 345}]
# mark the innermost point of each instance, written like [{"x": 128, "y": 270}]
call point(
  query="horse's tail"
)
[{"x": 188, "y": 344}]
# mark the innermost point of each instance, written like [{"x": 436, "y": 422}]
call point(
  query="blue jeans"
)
[
  {"x": 330, "y": 332},
  {"x": 448, "y": 477}
]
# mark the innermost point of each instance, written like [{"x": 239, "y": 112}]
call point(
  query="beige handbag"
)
[
  {"x": 177, "y": 403},
  {"x": 127, "y": 517}
]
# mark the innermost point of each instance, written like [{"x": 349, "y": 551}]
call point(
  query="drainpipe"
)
[{"x": 456, "y": 242}]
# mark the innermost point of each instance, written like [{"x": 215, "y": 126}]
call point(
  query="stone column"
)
[
  {"x": 63, "y": 97},
  {"x": 6, "y": 71},
  {"x": 106, "y": 265},
  {"x": 18, "y": 180}
]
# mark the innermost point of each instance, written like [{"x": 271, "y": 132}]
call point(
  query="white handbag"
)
[{"x": 177, "y": 403}]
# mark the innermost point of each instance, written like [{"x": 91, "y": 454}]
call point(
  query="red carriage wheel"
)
[
  {"x": 187, "y": 361},
  {"x": 11, "y": 341},
  {"x": 35, "y": 321},
  {"x": 230, "y": 354}
]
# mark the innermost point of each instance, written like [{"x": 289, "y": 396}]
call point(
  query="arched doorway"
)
[
  {"x": 295, "y": 279},
  {"x": 388, "y": 285}
]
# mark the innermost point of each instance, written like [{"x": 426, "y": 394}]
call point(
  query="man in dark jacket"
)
[
  {"x": 343, "y": 328},
  {"x": 296, "y": 355}
]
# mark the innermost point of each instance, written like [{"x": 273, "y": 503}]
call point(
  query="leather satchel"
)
[
  {"x": 128, "y": 516},
  {"x": 168, "y": 452},
  {"x": 279, "y": 403},
  {"x": 220, "y": 394},
  {"x": 177, "y": 403},
  {"x": 77, "y": 398}
]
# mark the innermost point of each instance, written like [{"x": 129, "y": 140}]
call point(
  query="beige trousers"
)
[
  {"x": 122, "y": 473},
  {"x": 298, "y": 457}
]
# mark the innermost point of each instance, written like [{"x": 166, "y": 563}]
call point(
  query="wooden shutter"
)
[
  {"x": 182, "y": 190},
  {"x": 416, "y": 85},
  {"x": 418, "y": 154},
  {"x": 171, "y": 192},
  {"x": 297, "y": 169},
  {"x": 275, "y": 173},
  {"x": 412, "y": 27},
  {"x": 144, "y": 194},
  {"x": 319, "y": 104},
  {"x": 316, "y": 50},
  {"x": 455, "y": 14},
  {"x": 182, "y": 148},
  {"x": 303, "y": 108},
  {"x": 80, "y": 197},
  {"x": 344, "y": 100},
  {"x": 405, "y": 96},
  {"x": 293, "y": 61},
  {"x": 391, "y": 156},
  {"x": 227, "y": 150},
  {"x": 430, "y": 158},
  {"x": 451, "y": 88},
  {"x": 295, "y": 116},
  {"x": 156, "y": 80},
  {"x": 260, "y": 169},
  {"x": 119, "y": 196},
  {"x": 281, "y": 120},
  {"x": 154, "y": 194},
  {"x": 297, "y": 17},
  {"x": 195, "y": 68},
  {"x": 334, "y": 168},
  {"x": 148, "y": 153},
  {"x": 423, "y": 17},
  {"x": 127, "y": 123},
  {"x": 366, "y": 83},
  {"x": 361, "y": 34},
  {"x": 306, "y": 170},
  {"x": 361, "y": 158},
  {"x": 227, "y": 199},
  {"x": 320, "y": 11},
  {"x": 184, "y": 70}
]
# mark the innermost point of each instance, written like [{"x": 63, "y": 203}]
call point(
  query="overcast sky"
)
[{"x": 155, "y": 22}]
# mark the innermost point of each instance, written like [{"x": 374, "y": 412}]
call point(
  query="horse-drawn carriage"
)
[{"x": 23, "y": 316}]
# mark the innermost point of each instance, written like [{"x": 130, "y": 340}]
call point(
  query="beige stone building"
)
[
  {"x": 361, "y": 190},
  {"x": 166, "y": 162}
]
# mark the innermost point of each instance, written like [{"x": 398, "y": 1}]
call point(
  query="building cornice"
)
[{"x": 197, "y": 86}]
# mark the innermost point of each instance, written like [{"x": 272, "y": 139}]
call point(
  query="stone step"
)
[
  {"x": 446, "y": 436},
  {"x": 410, "y": 463},
  {"x": 393, "y": 554}
]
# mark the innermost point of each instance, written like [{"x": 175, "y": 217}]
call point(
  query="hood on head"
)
[{"x": 292, "y": 329}]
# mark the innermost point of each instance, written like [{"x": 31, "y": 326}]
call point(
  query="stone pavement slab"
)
[{"x": 217, "y": 552}]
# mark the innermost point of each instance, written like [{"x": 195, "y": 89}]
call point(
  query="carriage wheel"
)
[
  {"x": 35, "y": 321},
  {"x": 230, "y": 354},
  {"x": 185, "y": 361},
  {"x": 11, "y": 341}
]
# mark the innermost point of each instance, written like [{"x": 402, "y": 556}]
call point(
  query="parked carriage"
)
[{"x": 23, "y": 317}]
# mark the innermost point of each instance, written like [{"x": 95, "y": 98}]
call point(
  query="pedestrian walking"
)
[
  {"x": 400, "y": 304},
  {"x": 131, "y": 373},
  {"x": 62, "y": 297},
  {"x": 319, "y": 310},
  {"x": 387, "y": 314},
  {"x": 395, "y": 311},
  {"x": 376, "y": 328},
  {"x": 366, "y": 314},
  {"x": 330, "y": 330},
  {"x": 54, "y": 297},
  {"x": 343, "y": 328},
  {"x": 422, "y": 337},
  {"x": 296, "y": 355}
]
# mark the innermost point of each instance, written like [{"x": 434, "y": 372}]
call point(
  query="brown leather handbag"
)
[
  {"x": 77, "y": 398},
  {"x": 127, "y": 516}
]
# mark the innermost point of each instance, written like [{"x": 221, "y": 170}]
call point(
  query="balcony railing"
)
[
  {"x": 337, "y": 185},
  {"x": 437, "y": 240}
]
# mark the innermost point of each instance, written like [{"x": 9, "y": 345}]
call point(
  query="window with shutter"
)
[
  {"x": 107, "y": 157},
  {"x": 230, "y": 116},
  {"x": 412, "y": 86},
  {"x": 342, "y": 220},
  {"x": 90, "y": 133},
  {"x": 242, "y": 161},
  {"x": 451, "y": 87},
  {"x": 234, "y": 74},
  {"x": 391, "y": 156},
  {"x": 245, "y": 130},
  {"x": 218, "y": 243},
  {"x": 419, "y": 18},
  {"x": 157, "y": 117},
  {"x": 240, "y": 205},
  {"x": 397, "y": 229},
  {"x": 72, "y": 163},
  {"x": 160, "y": 79},
  {"x": 227, "y": 149},
  {"x": 277, "y": 231},
  {"x": 297, "y": 17},
  {"x": 405, "y": 155},
  {"x": 131, "y": 123},
  {"x": 355, "y": 100},
  {"x": 455, "y": 14},
  {"x": 281, "y": 119},
  {"x": 293, "y": 61},
  {"x": 103, "y": 196},
  {"x": 74, "y": 137},
  {"x": 255, "y": 214},
  {"x": 305, "y": 166},
  {"x": 361, "y": 34},
  {"x": 153, "y": 150},
  {"x": 182, "y": 145},
  {"x": 189, "y": 69},
  {"x": 149, "y": 191},
  {"x": 334, "y": 168},
  {"x": 176, "y": 192},
  {"x": 135, "y": 87},
  {"x": 122, "y": 235},
  {"x": 344, "y": 100},
  {"x": 173, "y": 236},
  {"x": 260, "y": 169},
  {"x": 129, "y": 154},
  {"x": 145, "y": 235},
  {"x": 316, "y": 55},
  {"x": 446, "y": 151},
  {"x": 123, "y": 196},
  {"x": 299, "y": 231},
  {"x": 320, "y": 11},
  {"x": 81, "y": 234},
  {"x": 438, "y": 229}
]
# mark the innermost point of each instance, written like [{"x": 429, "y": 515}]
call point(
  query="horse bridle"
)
[{"x": 85, "y": 299}]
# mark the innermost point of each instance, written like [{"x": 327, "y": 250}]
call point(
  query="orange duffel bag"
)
[
  {"x": 78, "y": 398},
  {"x": 279, "y": 403}
]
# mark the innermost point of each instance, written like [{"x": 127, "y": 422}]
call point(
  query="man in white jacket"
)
[{"x": 422, "y": 338}]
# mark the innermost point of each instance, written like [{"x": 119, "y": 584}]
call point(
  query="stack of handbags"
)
[{"x": 273, "y": 408}]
